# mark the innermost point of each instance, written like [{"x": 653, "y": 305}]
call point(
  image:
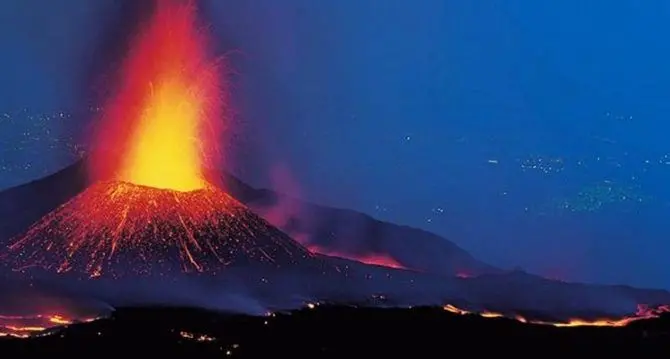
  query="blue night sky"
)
[{"x": 532, "y": 133}]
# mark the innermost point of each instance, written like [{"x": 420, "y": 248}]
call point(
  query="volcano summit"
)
[{"x": 121, "y": 228}]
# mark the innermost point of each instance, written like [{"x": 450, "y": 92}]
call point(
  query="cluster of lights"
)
[{"x": 196, "y": 337}]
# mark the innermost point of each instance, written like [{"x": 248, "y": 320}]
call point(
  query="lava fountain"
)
[
  {"x": 162, "y": 126},
  {"x": 150, "y": 209}
]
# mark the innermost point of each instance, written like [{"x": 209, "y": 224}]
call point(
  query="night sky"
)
[{"x": 532, "y": 133}]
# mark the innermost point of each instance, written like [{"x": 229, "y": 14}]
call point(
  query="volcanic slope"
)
[
  {"x": 415, "y": 249},
  {"x": 117, "y": 229}
]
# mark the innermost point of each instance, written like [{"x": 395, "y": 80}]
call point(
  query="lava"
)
[
  {"x": 26, "y": 326},
  {"x": 161, "y": 126},
  {"x": 122, "y": 228},
  {"x": 372, "y": 259},
  {"x": 643, "y": 312},
  {"x": 379, "y": 260}
]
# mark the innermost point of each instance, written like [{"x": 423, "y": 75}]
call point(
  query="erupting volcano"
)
[
  {"x": 151, "y": 210},
  {"x": 122, "y": 228}
]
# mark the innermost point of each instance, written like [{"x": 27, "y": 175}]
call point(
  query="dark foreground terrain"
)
[{"x": 334, "y": 332}]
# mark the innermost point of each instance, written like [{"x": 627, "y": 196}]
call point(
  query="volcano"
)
[
  {"x": 150, "y": 210},
  {"x": 119, "y": 229}
]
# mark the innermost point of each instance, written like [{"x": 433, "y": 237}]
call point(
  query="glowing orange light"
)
[
  {"x": 164, "y": 152},
  {"x": 372, "y": 259},
  {"x": 643, "y": 312},
  {"x": 29, "y": 325},
  {"x": 161, "y": 127},
  {"x": 57, "y": 319}
]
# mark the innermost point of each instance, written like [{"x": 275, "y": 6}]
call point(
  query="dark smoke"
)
[{"x": 124, "y": 19}]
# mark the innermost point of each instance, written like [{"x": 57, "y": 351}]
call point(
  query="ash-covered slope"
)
[
  {"x": 117, "y": 228},
  {"x": 331, "y": 231},
  {"x": 23, "y": 205}
]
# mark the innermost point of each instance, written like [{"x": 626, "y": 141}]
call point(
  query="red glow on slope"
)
[
  {"x": 373, "y": 259},
  {"x": 120, "y": 228},
  {"x": 161, "y": 126}
]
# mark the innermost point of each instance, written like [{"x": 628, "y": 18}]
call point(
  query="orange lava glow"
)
[
  {"x": 161, "y": 126},
  {"x": 121, "y": 228},
  {"x": 28, "y": 326},
  {"x": 643, "y": 312},
  {"x": 373, "y": 259},
  {"x": 379, "y": 260}
]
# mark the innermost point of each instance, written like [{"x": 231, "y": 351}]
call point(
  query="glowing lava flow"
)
[
  {"x": 643, "y": 312},
  {"x": 161, "y": 127},
  {"x": 120, "y": 228},
  {"x": 372, "y": 259},
  {"x": 28, "y": 326}
]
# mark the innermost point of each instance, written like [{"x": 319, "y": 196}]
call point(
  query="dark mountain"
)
[
  {"x": 24, "y": 205},
  {"x": 351, "y": 234}
]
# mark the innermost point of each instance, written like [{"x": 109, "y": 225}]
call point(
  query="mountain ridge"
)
[{"x": 332, "y": 231}]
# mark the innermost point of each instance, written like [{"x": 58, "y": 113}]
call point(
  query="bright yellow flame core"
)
[{"x": 164, "y": 151}]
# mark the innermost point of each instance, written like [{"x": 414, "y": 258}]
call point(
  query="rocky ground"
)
[{"x": 335, "y": 332}]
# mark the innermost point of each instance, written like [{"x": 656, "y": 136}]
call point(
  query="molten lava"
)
[
  {"x": 164, "y": 150},
  {"x": 372, "y": 259},
  {"x": 26, "y": 326},
  {"x": 161, "y": 126},
  {"x": 120, "y": 228},
  {"x": 643, "y": 312}
]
